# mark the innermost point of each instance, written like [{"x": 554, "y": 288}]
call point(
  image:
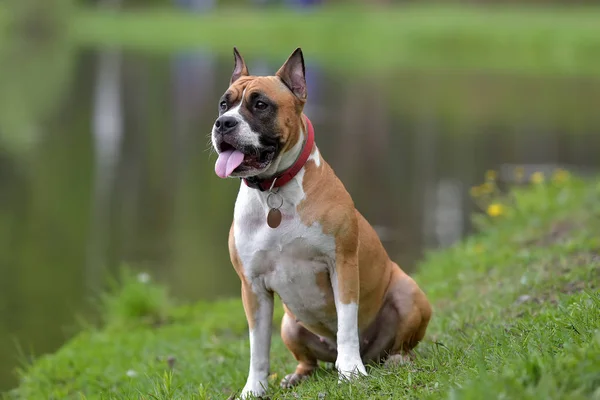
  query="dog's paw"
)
[
  {"x": 292, "y": 380},
  {"x": 350, "y": 369},
  {"x": 397, "y": 360},
  {"x": 256, "y": 389}
]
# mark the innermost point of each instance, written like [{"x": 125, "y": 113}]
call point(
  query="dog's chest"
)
[{"x": 294, "y": 260}]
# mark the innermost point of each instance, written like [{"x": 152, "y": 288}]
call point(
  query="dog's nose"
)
[{"x": 226, "y": 124}]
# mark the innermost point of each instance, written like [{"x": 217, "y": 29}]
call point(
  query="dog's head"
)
[{"x": 260, "y": 120}]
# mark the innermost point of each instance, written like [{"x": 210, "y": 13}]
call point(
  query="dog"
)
[{"x": 297, "y": 234}]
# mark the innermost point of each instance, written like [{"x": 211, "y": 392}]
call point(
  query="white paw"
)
[
  {"x": 255, "y": 388},
  {"x": 350, "y": 369}
]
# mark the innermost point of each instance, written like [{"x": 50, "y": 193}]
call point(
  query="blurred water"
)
[{"x": 116, "y": 169}]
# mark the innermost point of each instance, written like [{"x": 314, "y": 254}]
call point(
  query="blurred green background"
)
[{"x": 106, "y": 109}]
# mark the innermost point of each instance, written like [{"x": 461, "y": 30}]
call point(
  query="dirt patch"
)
[{"x": 558, "y": 232}]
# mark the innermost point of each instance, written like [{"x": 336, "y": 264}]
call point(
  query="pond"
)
[{"x": 104, "y": 161}]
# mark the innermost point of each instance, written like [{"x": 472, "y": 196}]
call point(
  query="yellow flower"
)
[
  {"x": 479, "y": 248},
  {"x": 495, "y": 210},
  {"x": 561, "y": 176},
  {"x": 537, "y": 178},
  {"x": 487, "y": 188},
  {"x": 490, "y": 175},
  {"x": 482, "y": 190},
  {"x": 519, "y": 173}
]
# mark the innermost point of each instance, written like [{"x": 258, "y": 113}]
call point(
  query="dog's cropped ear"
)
[
  {"x": 240, "y": 68},
  {"x": 293, "y": 75}
]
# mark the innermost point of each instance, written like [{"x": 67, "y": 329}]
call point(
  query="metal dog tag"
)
[{"x": 274, "y": 218}]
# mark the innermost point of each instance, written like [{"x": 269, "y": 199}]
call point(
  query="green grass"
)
[
  {"x": 517, "y": 39},
  {"x": 517, "y": 316}
]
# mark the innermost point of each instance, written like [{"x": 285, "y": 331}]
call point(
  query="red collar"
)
[{"x": 287, "y": 175}]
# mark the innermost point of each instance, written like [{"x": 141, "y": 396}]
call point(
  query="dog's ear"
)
[
  {"x": 240, "y": 68},
  {"x": 293, "y": 75}
]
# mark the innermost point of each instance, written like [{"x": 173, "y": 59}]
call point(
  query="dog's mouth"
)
[{"x": 239, "y": 160}]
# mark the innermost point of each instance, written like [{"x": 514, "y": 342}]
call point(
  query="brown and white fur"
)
[{"x": 345, "y": 300}]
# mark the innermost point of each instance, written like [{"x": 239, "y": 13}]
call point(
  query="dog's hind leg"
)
[
  {"x": 414, "y": 313},
  {"x": 306, "y": 347}
]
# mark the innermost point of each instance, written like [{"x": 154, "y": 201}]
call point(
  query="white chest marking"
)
[{"x": 287, "y": 259}]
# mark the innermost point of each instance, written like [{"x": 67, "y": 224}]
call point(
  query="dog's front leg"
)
[
  {"x": 258, "y": 305},
  {"x": 346, "y": 286}
]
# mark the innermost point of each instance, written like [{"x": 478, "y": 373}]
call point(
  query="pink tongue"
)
[{"x": 227, "y": 162}]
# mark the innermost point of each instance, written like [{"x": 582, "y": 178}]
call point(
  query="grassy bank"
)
[
  {"x": 517, "y": 39},
  {"x": 524, "y": 40},
  {"x": 517, "y": 315}
]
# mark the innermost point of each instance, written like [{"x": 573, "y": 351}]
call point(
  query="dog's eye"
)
[
  {"x": 223, "y": 105},
  {"x": 260, "y": 105}
]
